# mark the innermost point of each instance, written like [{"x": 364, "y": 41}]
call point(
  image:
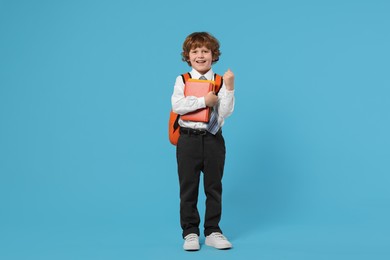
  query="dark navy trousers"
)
[{"x": 196, "y": 153}]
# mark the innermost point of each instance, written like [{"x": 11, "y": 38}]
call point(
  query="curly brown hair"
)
[{"x": 200, "y": 39}]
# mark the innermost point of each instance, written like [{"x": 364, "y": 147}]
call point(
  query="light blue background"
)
[{"x": 87, "y": 171}]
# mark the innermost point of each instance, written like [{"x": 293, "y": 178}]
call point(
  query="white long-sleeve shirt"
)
[{"x": 183, "y": 105}]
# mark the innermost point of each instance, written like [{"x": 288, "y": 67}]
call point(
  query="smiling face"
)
[{"x": 201, "y": 59}]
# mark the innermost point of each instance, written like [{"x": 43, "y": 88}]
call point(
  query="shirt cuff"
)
[
  {"x": 229, "y": 92},
  {"x": 202, "y": 102}
]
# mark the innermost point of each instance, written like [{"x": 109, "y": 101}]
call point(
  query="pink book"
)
[{"x": 198, "y": 88}]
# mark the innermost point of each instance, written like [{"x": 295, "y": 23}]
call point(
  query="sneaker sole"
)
[
  {"x": 218, "y": 247},
  {"x": 191, "y": 249}
]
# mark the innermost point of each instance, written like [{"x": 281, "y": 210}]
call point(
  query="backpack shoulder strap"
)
[
  {"x": 185, "y": 77},
  {"x": 218, "y": 82}
]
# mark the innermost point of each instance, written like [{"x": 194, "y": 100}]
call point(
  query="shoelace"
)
[
  {"x": 218, "y": 236},
  {"x": 190, "y": 238}
]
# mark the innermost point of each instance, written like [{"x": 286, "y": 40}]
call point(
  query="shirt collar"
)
[{"x": 196, "y": 75}]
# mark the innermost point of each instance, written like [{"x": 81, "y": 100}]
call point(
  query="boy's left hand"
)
[{"x": 228, "y": 78}]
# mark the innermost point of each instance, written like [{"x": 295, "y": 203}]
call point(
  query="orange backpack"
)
[{"x": 173, "y": 126}]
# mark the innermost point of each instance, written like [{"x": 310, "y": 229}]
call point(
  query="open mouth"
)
[{"x": 200, "y": 61}]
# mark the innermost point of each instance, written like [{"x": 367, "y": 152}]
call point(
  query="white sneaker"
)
[
  {"x": 191, "y": 242},
  {"x": 218, "y": 241}
]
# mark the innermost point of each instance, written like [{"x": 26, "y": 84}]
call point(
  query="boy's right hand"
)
[{"x": 210, "y": 99}]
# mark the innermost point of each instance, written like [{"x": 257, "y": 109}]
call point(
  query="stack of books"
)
[{"x": 198, "y": 88}]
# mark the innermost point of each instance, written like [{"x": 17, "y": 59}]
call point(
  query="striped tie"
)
[{"x": 212, "y": 126}]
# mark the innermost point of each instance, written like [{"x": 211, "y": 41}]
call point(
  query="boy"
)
[{"x": 201, "y": 146}]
